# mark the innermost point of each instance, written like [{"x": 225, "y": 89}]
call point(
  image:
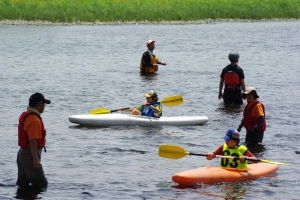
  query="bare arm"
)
[
  {"x": 241, "y": 125},
  {"x": 155, "y": 109},
  {"x": 218, "y": 151},
  {"x": 243, "y": 85},
  {"x": 221, "y": 87},
  {"x": 249, "y": 155},
  {"x": 34, "y": 152},
  {"x": 127, "y": 110},
  {"x": 162, "y": 63}
]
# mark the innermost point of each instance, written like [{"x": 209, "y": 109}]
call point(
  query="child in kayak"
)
[
  {"x": 151, "y": 108},
  {"x": 234, "y": 149}
]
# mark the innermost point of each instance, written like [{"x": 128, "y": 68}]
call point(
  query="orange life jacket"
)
[
  {"x": 23, "y": 140},
  {"x": 249, "y": 121},
  {"x": 151, "y": 69}
]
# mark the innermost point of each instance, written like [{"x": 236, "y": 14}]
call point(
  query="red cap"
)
[{"x": 150, "y": 42}]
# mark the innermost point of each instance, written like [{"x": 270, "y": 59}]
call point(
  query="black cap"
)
[{"x": 37, "y": 98}]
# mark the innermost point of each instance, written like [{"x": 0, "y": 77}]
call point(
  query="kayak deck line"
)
[
  {"x": 213, "y": 175},
  {"x": 134, "y": 120}
]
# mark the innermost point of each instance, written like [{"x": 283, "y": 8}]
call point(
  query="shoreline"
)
[{"x": 121, "y": 23}]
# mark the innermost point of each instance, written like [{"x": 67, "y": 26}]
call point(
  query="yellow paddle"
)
[
  {"x": 177, "y": 152},
  {"x": 104, "y": 111},
  {"x": 169, "y": 101}
]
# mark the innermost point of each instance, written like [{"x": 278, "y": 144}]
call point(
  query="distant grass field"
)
[{"x": 151, "y": 10}]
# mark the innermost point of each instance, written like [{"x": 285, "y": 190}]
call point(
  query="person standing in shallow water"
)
[
  {"x": 233, "y": 78},
  {"x": 32, "y": 139},
  {"x": 149, "y": 61},
  {"x": 253, "y": 118}
]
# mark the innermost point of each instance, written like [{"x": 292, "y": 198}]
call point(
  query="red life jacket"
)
[
  {"x": 231, "y": 78},
  {"x": 23, "y": 140},
  {"x": 249, "y": 121}
]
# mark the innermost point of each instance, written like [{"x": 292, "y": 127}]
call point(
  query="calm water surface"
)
[{"x": 83, "y": 67}]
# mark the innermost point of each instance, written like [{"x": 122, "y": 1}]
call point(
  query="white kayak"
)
[{"x": 133, "y": 120}]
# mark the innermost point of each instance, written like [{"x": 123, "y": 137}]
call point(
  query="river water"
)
[{"x": 82, "y": 67}]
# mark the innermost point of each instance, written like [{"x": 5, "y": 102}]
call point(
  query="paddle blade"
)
[
  {"x": 172, "y": 151},
  {"x": 172, "y": 100},
  {"x": 100, "y": 111},
  {"x": 273, "y": 162}
]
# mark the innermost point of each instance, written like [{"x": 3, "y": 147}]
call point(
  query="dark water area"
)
[{"x": 80, "y": 68}]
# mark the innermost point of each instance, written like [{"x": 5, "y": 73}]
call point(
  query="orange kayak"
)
[{"x": 212, "y": 175}]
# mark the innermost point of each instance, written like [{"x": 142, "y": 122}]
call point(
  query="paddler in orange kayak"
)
[{"x": 234, "y": 149}]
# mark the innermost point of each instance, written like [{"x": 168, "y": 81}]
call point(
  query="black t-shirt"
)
[
  {"x": 235, "y": 68},
  {"x": 146, "y": 60}
]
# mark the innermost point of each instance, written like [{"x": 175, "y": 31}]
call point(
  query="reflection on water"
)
[
  {"x": 148, "y": 77},
  {"x": 29, "y": 192},
  {"x": 257, "y": 149},
  {"x": 231, "y": 111},
  {"x": 235, "y": 190},
  {"x": 228, "y": 190},
  {"x": 230, "y": 108},
  {"x": 85, "y": 127}
]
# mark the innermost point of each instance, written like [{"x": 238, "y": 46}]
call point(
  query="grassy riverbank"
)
[{"x": 153, "y": 10}]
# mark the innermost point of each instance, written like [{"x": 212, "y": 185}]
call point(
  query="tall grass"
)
[{"x": 141, "y": 10}]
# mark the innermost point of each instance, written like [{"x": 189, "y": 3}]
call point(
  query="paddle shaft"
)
[
  {"x": 231, "y": 157},
  {"x": 119, "y": 110},
  {"x": 148, "y": 104},
  {"x": 226, "y": 157},
  {"x": 197, "y": 154},
  {"x": 177, "y": 152},
  {"x": 156, "y": 103},
  {"x": 168, "y": 101},
  {"x": 129, "y": 108},
  {"x": 253, "y": 159}
]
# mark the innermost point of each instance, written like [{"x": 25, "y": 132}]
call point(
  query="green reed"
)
[{"x": 141, "y": 10}]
